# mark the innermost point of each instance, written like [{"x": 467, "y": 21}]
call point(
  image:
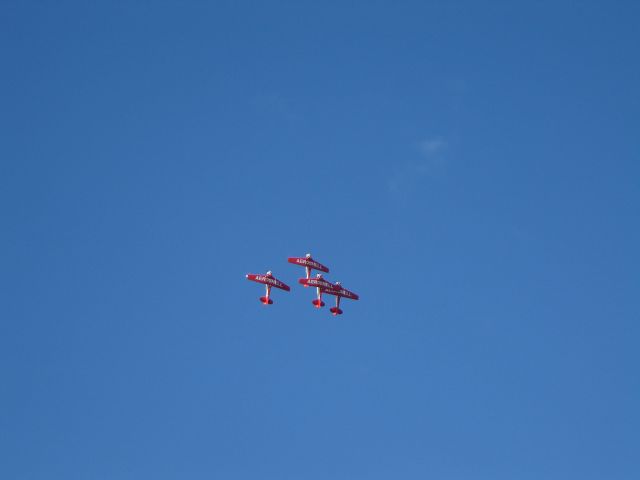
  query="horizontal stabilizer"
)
[{"x": 266, "y": 301}]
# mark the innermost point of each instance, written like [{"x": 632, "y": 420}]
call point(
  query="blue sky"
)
[{"x": 470, "y": 169}]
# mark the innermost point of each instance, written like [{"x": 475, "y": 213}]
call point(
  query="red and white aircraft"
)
[
  {"x": 321, "y": 286},
  {"x": 270, "y": 281},
  {"x": 337, "y": 290},
  {"x": 309, "y": 264}
]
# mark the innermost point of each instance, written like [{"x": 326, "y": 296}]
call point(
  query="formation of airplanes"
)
[{"x": 321, "y": 285}]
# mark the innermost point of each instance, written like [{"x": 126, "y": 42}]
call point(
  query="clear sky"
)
[{"x": 471, "y": 169}]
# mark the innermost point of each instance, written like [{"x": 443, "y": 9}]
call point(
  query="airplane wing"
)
[
  {"x": 316, "y": 282},
  {"x": 341, "y": 292},
  {"x": 308, "y": 262},
  {"x": 268, "y": 280}
]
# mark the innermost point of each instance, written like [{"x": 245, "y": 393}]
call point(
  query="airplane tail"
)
[
  {"x": 318, "y": 303},
  {"x": 266, "y": 300},
  {"x": 335, "y": 311}
]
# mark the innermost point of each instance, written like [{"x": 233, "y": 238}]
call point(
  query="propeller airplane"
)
[
  {"x": 269, "y": 281},
  {"x": 321, "y": 286},
  {"x": 309, "y": 264},
  {"x": 339, "y": 291}
]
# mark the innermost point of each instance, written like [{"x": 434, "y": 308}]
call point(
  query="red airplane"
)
[
  {"x": 337, "y": 290},
  {"x": 309, "y": 264},
  {"x": 321, "y": 286},
  {"x": 270, "y": 281}
]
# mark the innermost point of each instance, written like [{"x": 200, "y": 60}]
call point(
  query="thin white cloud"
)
[
  {"x": 432, "y": 146},
  {"x": 430, "y": 160}
]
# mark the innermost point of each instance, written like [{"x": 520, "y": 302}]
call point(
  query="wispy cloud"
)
[
  {"x": 432, "y": 146},
  {"x": 430, "y": 160}
]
